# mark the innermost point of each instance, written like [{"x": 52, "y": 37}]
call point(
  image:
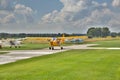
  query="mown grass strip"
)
[{"x": 69, "y": 65}]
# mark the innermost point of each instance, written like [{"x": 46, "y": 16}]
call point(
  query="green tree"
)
[
  {"x": 118, "y": 34},
  {"x": 113, "y": 34},
  {"x": 98, "y": 32},
  {"x": 105, "y": 32},
  {"x": 91, "y": 32}
]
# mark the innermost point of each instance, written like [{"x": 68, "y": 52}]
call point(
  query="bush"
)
[
  {"x": 113, "y": 34},
  {"x": 90, "y": 36}
]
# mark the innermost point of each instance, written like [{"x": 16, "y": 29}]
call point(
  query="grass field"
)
[
  {"x": 70, "y": 65},
  {"x": 3, "y": 53},
  {"x": 32, "y": 46},
  {"x": 109, "y": 43},
  {"x": 28, "y": 46}
]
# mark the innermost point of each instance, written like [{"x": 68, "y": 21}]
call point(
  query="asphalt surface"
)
[{"x": 16, "y": 55}]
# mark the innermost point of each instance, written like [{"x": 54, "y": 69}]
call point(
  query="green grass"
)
[
  {"x": 70, "y": 65},
  {"x": 110, "y": 43},
  {"x": 31, "y": 46},
  {"x": 28, "y": 46},
  {"x": 3, "y": 53}
]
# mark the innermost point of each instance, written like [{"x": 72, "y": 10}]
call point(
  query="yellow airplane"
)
[{"x": 57, "y": 42}]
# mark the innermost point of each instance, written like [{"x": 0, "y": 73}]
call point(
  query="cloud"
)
[
  {"x": 81, "y": 14},
  {"x": 116, "y": 3},
  {"x": 24, "y": 11},
  {"x": 74, "y": 16},
  {"x": 73, "y": 10},
  {"x": 4, "y": 3},
  {"x": 71, "y": 7},
  {"x": 96, "y": 4},
  {"x": 15, "y": 13},
  {"x": 10, "y": 18}
]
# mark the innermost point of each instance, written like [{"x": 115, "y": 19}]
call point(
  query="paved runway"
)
[{"x": 13, "y": 56}]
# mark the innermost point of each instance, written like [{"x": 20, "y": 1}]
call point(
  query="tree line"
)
[
  {"x": 23, "y": 35},
  {"x": 101, "y": 32},
  {"x": 92, "y": 32}
]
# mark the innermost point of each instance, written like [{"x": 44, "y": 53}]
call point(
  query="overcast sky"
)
[{"x": 53, "y": 16}]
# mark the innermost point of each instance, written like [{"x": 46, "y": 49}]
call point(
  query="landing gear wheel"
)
[
  {"x": 52, "y": 48},
  {"x": 49, "y": 48},
  {"x": 61, "y": 48}
]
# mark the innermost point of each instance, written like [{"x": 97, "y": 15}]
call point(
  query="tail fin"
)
[{"x": 63, "y": 38}]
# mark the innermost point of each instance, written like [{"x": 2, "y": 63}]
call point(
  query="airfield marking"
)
[{"x": 16, "y": 55}]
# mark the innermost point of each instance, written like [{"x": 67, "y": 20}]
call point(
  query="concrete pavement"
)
[{"x": 13, "y": 56}]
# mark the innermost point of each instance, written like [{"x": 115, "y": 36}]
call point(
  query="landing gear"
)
[
  {"x": 61, "y": 48},
  {"x": 49, "y": 48},
  {"x": 0, "y": 46},
  {"x": 52, "y": 48}
]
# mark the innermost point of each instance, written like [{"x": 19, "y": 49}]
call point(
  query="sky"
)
[{"x": 58, "y": 16}]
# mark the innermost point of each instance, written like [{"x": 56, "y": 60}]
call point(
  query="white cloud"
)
[
  {"x": 22, "y": 9},
  {"x": 81, "y": 14},
  {"x": 71, "y": 7},
  {"x": 6, "y": 17},
  {"x": 50, "y": 16},
  {"x": 116, "y": 3},
  {"x": 25, "y": 12},
  {"x": 76, "y": 15},
  {"x": 72, "y": 10},
  {"x": 10, "y": 18},
  {"x": 18, "y": 13},
  {"x": 96, "y": 4},
  {"x": 4, "y": 3},
  {"x": 97, "y": 17}
]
